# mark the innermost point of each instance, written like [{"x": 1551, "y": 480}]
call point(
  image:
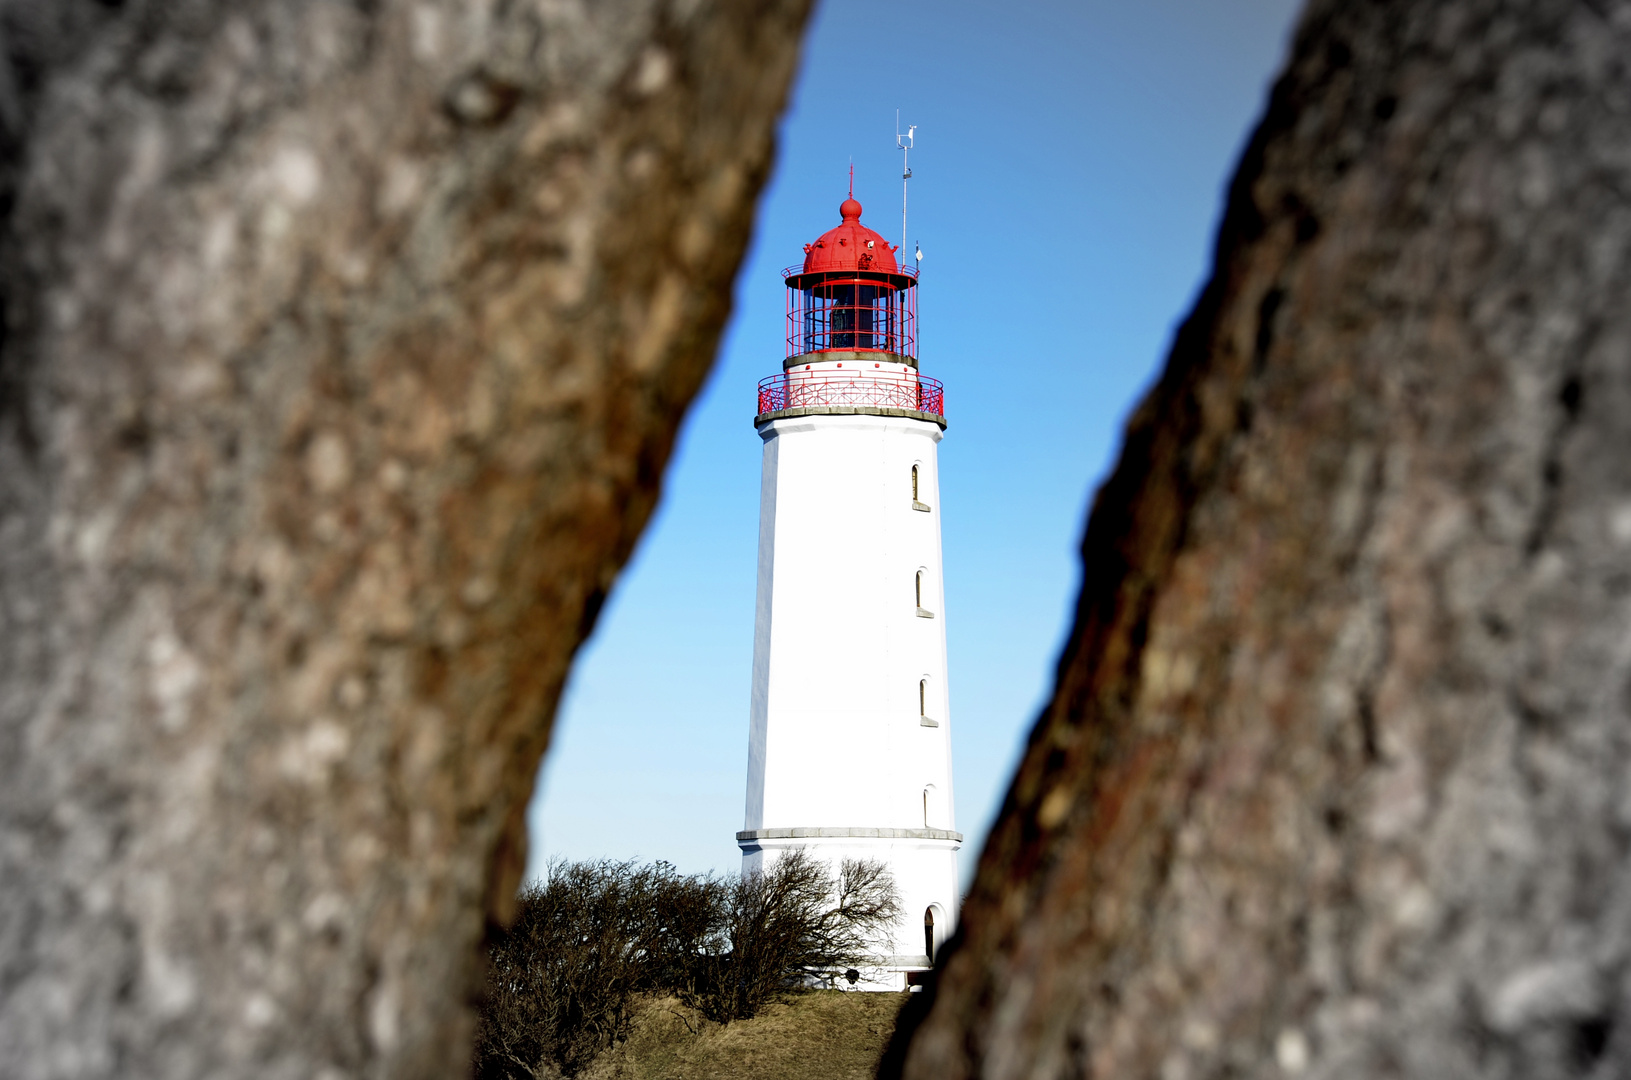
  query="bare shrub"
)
[
  {"x": 794, "y": 926},
  {"x": 592, "y": 935},
  {"x": 587, "y": 938}
]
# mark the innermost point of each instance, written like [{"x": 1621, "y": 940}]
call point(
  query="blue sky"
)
[{"x": 1070, "y": 168}]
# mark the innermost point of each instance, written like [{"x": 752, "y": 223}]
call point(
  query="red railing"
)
[
  {"x": 852, "y": 311},
  {"x": 907, "y": 269},
  {"x": 814, "y": 389}
]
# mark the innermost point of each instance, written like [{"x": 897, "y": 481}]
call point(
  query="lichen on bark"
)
[
  {"x": 1331, "y": 784},
  {"x": 345, "y": 346}
]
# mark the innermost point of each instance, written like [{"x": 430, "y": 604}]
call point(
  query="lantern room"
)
[{"x": 851, "y": 294}]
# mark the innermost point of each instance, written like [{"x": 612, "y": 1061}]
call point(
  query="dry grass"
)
[{"x": 826, "y": 1033}]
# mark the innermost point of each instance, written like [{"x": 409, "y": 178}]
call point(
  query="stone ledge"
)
[
  {"x": 848, "y": 410},
  {"x": 748, "y": 836}
]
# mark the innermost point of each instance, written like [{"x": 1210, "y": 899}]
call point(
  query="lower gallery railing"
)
[{"x": 819, "y": 389}]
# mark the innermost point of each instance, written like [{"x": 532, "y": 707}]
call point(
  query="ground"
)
[{"x": 843, "y": 1032}]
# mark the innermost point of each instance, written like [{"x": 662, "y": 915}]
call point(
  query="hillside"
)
[{"x": 844, "y": 1032}]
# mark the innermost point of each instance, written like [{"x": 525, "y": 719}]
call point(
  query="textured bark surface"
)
[
  {"x": 345, "y": 345},
  {"x": 1334, "y": 782}
]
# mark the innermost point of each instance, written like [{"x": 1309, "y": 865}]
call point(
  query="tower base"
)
[{"x": 924, "y": 864}]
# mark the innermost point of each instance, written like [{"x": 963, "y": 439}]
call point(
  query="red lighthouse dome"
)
[
  {"x": 850, "y": 246},
  {"x": 851, "y": 295}
]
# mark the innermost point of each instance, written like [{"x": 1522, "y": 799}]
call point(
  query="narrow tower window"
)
[
  {"x": 928, "y": 933},
  {"x": 923, "y": 716},
  {"x": 922, "y": 612},
  {"x": 917, "y": 504}
]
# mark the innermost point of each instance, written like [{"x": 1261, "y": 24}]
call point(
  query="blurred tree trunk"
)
[
  {"x": 1334, "y": 780},
  {"x": 344, "y": 348}
]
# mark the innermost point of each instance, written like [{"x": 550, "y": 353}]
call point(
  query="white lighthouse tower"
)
[{"x": 849, "y": 747}]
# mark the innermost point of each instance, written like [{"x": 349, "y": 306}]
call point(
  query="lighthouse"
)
[{"x": 849, "y": 743}]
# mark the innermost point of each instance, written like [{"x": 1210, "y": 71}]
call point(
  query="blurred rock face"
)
[
  {"x": 345, "y": 345},
  {"x": 1333, "y": 782}
]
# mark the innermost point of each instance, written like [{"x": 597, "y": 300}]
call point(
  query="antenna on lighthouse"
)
[{"x": 903, "y": 143}]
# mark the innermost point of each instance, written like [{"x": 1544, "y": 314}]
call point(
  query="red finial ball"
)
[{"x": 850, "y": 211}]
